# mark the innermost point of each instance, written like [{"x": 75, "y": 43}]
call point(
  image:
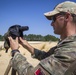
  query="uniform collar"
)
[{"x": 68, "y": 39}]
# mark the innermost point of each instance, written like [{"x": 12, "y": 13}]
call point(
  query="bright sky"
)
[{"x": 27, "y": 13}]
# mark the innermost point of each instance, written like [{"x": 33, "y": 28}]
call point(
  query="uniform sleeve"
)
[
  {"x": 20, "y": 64},
  {"x": 22, "y": 67},
  {"x": 55, "y": 64},
  {"x": 57, "y": 60},
  {"x": 42, "y": 54},
  {"x": 47, "y": 66}
]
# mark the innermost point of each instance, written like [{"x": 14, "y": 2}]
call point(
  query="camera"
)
[{"x": 13, "y": 31}]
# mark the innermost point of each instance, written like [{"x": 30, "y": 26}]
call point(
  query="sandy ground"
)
[{"x": 5, "y": 57}]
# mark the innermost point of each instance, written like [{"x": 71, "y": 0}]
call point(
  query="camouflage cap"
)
[{"x": 67, "y": 6}]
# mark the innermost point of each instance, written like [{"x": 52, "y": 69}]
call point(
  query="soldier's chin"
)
[{"x": 56, "y": 33}]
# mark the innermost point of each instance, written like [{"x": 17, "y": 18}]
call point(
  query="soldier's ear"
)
[{"x": 67, "y": 16}]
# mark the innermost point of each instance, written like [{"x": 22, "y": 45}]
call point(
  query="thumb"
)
[{"x": 10, "y": 38}]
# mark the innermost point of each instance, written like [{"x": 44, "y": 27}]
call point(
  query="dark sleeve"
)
[{"x": 42, "y": 54}]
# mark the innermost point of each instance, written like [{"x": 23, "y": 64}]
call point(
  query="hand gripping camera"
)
[{"x": 13, "y": 31}]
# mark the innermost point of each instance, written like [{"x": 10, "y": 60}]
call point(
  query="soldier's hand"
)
[
  {"x": 23, "y": 42},
  {"x": 13, "y": 43},
  {"x": 26, "y": 45}
]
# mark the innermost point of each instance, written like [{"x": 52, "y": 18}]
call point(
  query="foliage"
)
[
  {"x": 34, "y": 37},
  {"x": 50, "y": 37},
  {"x": 1, "y": 38}
]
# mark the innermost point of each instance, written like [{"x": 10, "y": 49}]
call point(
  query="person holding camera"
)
[{"x": 59, "y": 58}]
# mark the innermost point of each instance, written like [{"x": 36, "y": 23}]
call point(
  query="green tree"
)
[
  {"x": 1, "y": 38},
  {"x": 50, "y": 37}
]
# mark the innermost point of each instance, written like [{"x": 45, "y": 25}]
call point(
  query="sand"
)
[{"x": 5, "y": 57}]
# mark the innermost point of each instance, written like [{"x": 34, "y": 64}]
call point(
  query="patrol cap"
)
[{"x": 67, "y": 6}]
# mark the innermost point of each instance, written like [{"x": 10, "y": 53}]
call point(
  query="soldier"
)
[{"x": 59, "y": 58}]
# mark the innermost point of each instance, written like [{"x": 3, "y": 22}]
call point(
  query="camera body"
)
[{"x": 13, "y": 31}]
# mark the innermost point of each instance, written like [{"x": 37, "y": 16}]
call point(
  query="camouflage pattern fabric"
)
[
  {"x": 72, "y": 69},
  {"x": 54, "y": 62}
]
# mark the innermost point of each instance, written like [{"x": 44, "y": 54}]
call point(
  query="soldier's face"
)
[{"x": 58, "y": 24}]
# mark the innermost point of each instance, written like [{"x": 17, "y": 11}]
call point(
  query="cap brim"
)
[{"x": 49, "y": 15}]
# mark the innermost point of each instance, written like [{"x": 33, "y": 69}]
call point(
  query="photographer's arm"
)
[
  {"x": 36, "y": 53},
  {"x": 19, "y": 62}
]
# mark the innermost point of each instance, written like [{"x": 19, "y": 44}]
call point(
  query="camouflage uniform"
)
[{"x": 54, "y": 62}]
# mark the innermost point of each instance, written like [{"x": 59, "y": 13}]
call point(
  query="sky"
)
[{"x": 27, "y": 13}]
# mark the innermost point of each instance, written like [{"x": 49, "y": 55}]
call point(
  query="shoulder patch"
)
[{"x": 39, "y": 72}]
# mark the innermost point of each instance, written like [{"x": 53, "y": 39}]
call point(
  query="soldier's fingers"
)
[
  {"x": 11, "y": 40},
  {"x": 17, "y": 39},
  {"x": 21, "y": 40}
]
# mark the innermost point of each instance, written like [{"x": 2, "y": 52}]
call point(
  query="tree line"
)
[{"x": 34, "y": 37}]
